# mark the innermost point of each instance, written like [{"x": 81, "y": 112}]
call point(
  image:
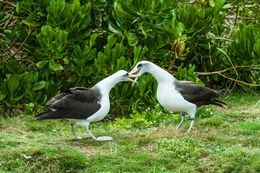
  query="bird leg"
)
[
  {"x": 182, "y": 120},
  {"x": 101, "y": 138},
  {"x": 72, "y": 129},
  {"x": 192, "y": 123}
]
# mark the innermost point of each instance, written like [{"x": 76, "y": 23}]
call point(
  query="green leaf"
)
[
  {"x": 114, "y": 30},
  {"x": 16, "y": 99},
  {"x": 257, "y": 47},
  {"x": 132, "y": 39},
  {"x": 111, "y": 40},
  {"x": 30, "y": 23},
  {"x": 13, "y": 83},
  {"x": 180, "y": 28},
  {"x": 18, "y": 7},
  {"x": 15, "y": 67},
  {"x": 7, "y": 104},
  {"x": 41, "y": 64},
  {"x": 38, "y": 86},
  {"x": 5, "y": 18},
  {"x": 93, "y": 38},
  {"x": 211, "y": 3},
  {"x": 54, "y": 66},
  {"x": 91, "y": 55},
  {"x": 2, "y": 55},
  {"x": 2, "y": 96}
]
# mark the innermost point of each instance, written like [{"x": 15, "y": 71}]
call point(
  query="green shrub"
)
[
  {"x": 245, "y": 50},
  {"x": 48, "y": 46}
]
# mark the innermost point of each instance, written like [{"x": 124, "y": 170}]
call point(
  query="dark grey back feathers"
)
[
  {"x": 77, "y": 103},
  {"x": 197, "y": 94}
]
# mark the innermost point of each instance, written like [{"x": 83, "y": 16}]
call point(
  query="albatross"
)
[
  {"x": 84, "y": 105},
  {"x": 176, "y": 95}
]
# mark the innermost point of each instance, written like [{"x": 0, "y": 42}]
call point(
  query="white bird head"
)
[
  {"x": 122, "y": 75},
  {"x": 139, "y": 69}
]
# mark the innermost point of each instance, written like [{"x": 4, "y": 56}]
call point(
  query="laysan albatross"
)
[
  {"x": 176, "y": 95},
  {"x": 84, "y": 105}
]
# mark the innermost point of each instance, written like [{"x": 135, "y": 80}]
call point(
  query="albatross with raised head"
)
[
  {"x": 84, "y": 105},
  {"x": 176, "y": 95}
]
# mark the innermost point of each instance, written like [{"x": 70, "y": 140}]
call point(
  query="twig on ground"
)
[
  {"x": 228, "y": 59},
  {"x": 230, "y": 78},
  {"x": 9, "y": 3},
  {"x": 7, "y": 22},
  {"x": 230, "y": 32},
  {"x": 227, "y": 69},
  {"x": 239, "y": 81},
  {"x": 21, "y": 46}
]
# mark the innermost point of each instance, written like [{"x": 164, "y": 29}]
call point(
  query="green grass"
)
[{"x": 221, "y": 141}]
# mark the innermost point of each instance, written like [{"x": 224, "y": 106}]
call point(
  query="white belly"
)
[
  {"x": 102, "y": 112},
  {"x": 172, "y": 100}
]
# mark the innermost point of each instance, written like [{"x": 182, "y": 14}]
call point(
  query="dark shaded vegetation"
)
[{"x": 47, "y": 46}]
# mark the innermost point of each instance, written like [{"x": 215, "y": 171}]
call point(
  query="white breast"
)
[
  {"x": 102, "y": 112},
  {"x": 172, "y": 100}
]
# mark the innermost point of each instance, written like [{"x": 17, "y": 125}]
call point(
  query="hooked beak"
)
[
  {"x": 137, "y": 75},
  {"x": 131, "y": 80}
]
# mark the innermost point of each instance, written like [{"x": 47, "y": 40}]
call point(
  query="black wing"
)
[
  {"x": 77, "y": 103},
  {"x": 197, "y": 94}
]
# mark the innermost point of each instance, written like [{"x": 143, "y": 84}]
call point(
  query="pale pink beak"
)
[{"x": 137, "y": 75}]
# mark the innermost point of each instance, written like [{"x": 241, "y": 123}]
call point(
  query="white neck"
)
[
  {"x": 161, "y": 75},
  {"x": 107, "y": 84}
]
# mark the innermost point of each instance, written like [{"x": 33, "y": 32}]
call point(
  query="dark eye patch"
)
[
  {"x": 139, "y": 65},
  {"x": 126, "y": 74}
]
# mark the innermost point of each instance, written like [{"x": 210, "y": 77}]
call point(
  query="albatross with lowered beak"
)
[
  {"x": 84, "y": 105},
  {"x": 176, "y": 95}
]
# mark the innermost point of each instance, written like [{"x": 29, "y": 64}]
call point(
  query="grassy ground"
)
[{"x": 221, "y": 141}]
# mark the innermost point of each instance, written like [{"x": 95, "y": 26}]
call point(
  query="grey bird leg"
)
[
  {"x": 101, "y": 138},
  {"x": 182, "y": 120},
  {"x": 72, "y": 129},
  {"x": 86, "y": 125},
  {"x": 192, "y": 123}
]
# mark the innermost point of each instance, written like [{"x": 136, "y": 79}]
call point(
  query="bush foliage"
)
[{"x": 48, "y": 46}]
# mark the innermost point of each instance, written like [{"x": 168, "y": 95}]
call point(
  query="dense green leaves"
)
[
  {"x": 245, "y": 44},
  {"x": 53, "y": 41},
  {"x": 48, "y": 46},
  {"x": 189, "y": 74}
]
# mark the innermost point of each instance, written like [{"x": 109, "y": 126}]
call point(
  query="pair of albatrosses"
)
[{"x": 85, "y": 105}]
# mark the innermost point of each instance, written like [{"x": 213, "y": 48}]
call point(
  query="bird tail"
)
[
  {"x": 218, "y": 103},
  {"x": 49, "y": 115}
]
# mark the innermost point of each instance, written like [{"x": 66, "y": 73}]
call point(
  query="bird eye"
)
[
  {"x": 126, "y": 74},
  {"x": 139, "y": 65}
]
